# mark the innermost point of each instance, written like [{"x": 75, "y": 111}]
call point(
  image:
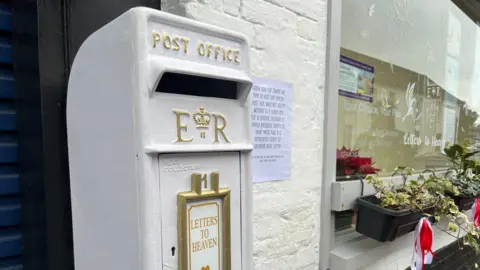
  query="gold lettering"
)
[
  {"x": 156, "y": 38},
  {"x": 185, "y": 45},
  {"x": 166, "y": 44},
  {"x": 175, "y": 43},
  {"x": 201, "y": 49},
  {"x": 209, "y": 49},
  {"x": 214, "y": 220},
  {"x": 176, "y": 46},
  {"x": 203, "y": 222},
  {"x": 219, "y": 128},
  {"x": 204, "y": 233},
  {"x": 204, "y": 244},
  {"x": 196, "y": 246},
  {"x": 229, "y": 56},
  {"x": 236, "y": 54},
  {"x": 217, "y": 51},
  {"x": 213, "y": 242},
  {"x": 181, "y": 126}
]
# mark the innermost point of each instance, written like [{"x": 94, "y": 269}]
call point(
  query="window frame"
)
[
  {"x": 338, "y": 254},
  {"x": 332, "y": 83}
]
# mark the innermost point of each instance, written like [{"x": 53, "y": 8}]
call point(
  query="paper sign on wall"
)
[{"x": 271, "y": 126}]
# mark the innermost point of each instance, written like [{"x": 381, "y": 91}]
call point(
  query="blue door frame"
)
[
  {"x": 10, "y": 210},
  {"x": 45, "y": 36}
]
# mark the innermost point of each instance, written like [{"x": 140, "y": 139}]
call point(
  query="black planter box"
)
[
  {"x": 384, "y": 224},
  {"x": 463, "y": 203}
]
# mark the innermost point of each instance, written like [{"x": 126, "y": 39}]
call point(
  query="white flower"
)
[
  {"x": 451, "y": 175},
  {"x": 469, "y": 174}
]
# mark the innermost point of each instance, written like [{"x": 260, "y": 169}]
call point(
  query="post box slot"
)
[{"x": 192, "y": 85}]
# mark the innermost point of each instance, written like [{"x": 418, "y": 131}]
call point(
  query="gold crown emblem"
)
[{"x": 202, "y": 118}]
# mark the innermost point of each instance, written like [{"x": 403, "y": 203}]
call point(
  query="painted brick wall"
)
[{"x": 288, "y": 43}]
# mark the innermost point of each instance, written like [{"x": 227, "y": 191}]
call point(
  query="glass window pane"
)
[{"x": 409, "y": 83}]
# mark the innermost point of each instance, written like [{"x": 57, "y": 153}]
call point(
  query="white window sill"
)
[{"x": 366, "y": 253}]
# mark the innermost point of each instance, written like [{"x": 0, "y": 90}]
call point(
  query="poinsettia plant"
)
[{"x": 350, "y": 163}]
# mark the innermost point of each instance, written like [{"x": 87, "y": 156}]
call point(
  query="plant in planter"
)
[
  {"x": 350, "y": 166},
  {"x": 396, "y": 209},
  {"x": 464, "y": 175}
]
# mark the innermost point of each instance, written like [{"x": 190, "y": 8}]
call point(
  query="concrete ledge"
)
[{"x": 367, "y": 253}]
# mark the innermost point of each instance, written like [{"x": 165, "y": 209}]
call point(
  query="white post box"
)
[{"x": 158, "y": 116}]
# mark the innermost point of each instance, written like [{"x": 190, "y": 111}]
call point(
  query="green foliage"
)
[
  {"x": 415, "y": 194},
  {"x": 427, "y": 191},
  {"x": 468, "y": 187},
  {"x": 464, "y": 170},
  {"x": 472, "y": 241}
]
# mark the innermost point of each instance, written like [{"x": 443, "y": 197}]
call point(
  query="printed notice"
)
[
  {"x": 271, "y": 125},
  {"x": 356, "y": 79},
  {"x": 204, "y": 235}
]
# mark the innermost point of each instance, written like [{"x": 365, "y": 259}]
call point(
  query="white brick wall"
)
[{"x": 288, "y": 43}]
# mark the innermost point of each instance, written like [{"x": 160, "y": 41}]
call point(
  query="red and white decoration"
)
[
  {"x": 476, "y": 212},
  {"x": 422, "y": 250}
]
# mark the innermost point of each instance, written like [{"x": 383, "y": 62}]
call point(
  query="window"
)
[{"x": 409, "y": 82}]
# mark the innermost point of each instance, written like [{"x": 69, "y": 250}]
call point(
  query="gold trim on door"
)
[{"x": 195, "y": 195}]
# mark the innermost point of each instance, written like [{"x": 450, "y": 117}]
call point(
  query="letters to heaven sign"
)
[{"x": 204, "y": 225}]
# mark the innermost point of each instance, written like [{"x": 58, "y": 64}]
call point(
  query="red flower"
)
[
  {"x": 358, "y": 162},
  {"x": 368, "y": 169},
  {"x": 349, "y": 162}
]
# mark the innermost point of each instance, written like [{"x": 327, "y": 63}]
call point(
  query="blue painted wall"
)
[{"x": 10, "y": 209}]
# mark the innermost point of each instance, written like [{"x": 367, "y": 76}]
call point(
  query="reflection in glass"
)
[
  {"x": 409, "y": 84},
  {"x": 405, "y": 119}
]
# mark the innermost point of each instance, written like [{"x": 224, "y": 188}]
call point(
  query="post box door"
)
[{"x": 207, "y": 222}]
